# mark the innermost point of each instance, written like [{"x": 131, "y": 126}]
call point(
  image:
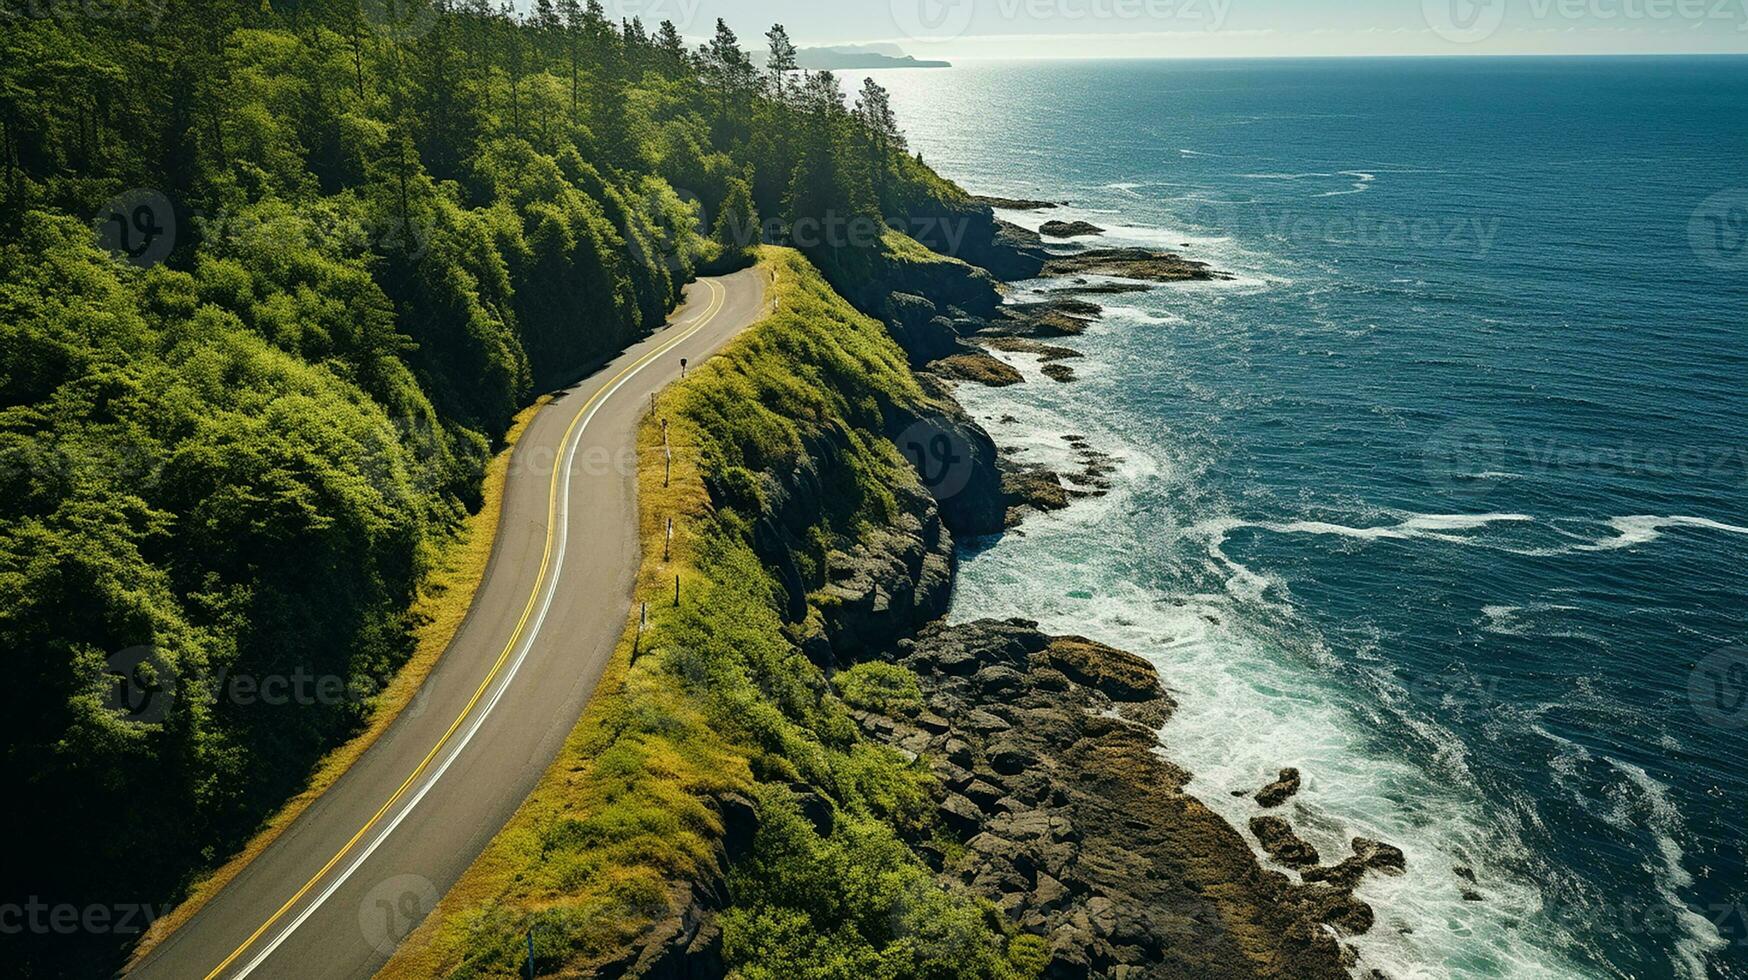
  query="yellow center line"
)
[{"x": 718, "y": 300}]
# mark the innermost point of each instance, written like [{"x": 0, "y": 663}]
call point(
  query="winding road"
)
[{"x": 357, "y": 871}]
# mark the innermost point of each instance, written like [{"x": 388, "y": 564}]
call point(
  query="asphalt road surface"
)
[{"x": 364, "y": 864}]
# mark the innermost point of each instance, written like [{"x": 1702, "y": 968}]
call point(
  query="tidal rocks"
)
[
  {"x": 1131, "y": 263},
  {"x": 1013, "y": 203},
  {"x": 1055, "y": 318},
  {"x": 1368, "y": 855},
  {"x": 1030, "y": 487},
  {"x": 1046, "y": 353},
  {"x": 1061, "y": 373},
  {"x": 977, "y": 366},
  {"x": 1069, "y": 229},
  {"x": 1085, "y": 288},
  {"x": 1279, "y": 791},
  {"x": 1279, "y": 842},
  {"x": 1078, "y": 830}
]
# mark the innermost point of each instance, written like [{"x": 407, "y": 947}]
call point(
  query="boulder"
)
[
  {"x": 1279, "y": 842},
  {"x": 1279, "y": 791},
  {"x": 1069, "y": 229}
]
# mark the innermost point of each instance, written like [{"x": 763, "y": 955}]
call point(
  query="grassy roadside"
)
[
  {"x": 442, "y": 606},
  {"x": 719, "y": 723}
]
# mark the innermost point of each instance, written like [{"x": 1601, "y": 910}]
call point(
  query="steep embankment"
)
[
  {"x": 790, "y": 771},
  {"x": 717, "y": 802}
]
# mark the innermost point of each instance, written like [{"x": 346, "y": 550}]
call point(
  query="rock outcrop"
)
[
  {"x": 1279, "y": 791},
  {"x": 1013, "y": 203},
  {"x": 1069, "y": 229},
  {"x": 1079, "y": 831},
  {"x": 1131, "y": 263},
  {"x": 955, "y": 459},
  {"x": 979, "y": 367}
]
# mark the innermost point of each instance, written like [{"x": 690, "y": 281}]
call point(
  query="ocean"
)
[{"x": 1443, "y": 499}]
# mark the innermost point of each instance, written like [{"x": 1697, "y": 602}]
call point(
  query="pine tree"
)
[
  {"x": 882, "y": 139},
  {"x": 782, "y": 59},
  {"x": 671, "y": 49},
  {"x": 737, "y": 225}
]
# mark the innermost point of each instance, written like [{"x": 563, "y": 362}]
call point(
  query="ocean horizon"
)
[{"x": 1442, "y": 498}]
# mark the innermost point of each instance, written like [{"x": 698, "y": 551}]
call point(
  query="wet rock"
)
[
  {"x": 1060, "y": 373},
  {"x": 977, "y": 366},
  {"x": 1379, "y": 856},
  {"x": 1013, "y": 203},
  {"x": 1279, "y": 791},
  {"x": 1046, "y": 353},
  {"x": 1085, "y": 288},
  {"x": 1368, "y": 855},
  {"x": 1087, "y": 836},
  {"x": 1131, "y": 263},
  {"x": 1279, "y": 842},
  {"x": 1031, "y": 487},
  {"x": 1069, "y": 229}
]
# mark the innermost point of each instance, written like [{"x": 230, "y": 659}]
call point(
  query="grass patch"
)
[
  {"x": 441, "y": 607},
  {"x": 714, "y": 709}
]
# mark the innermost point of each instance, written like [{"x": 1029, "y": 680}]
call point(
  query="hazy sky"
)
[{"x": 1202, "y": 28}]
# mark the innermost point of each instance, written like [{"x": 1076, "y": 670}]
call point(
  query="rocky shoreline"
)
[
  {"x": 1066, "y": 816},
  {"x": 1078, "y": 830}
]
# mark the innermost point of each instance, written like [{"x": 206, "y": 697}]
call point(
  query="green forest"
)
[{"x": 274, "y": 278}]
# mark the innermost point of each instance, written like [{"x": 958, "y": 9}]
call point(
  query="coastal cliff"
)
[{"x": 797, "y": 764}]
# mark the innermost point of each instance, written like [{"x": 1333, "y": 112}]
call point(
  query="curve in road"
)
[{"x": 358, "y": 870}]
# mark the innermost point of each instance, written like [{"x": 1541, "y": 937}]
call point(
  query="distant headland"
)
[{"x": 848, "y": 57}]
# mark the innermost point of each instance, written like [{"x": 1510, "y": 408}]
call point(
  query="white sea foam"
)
[
  {"x": 1274, "y": 176},
  {"x": 1628, "y": 532},
  {"x": 1362, "y": 183},
  {"x": 1631, "y": 532},
  {"x": 1417, "y": 526},
  {"x": 1641, "y": 802},
  {"x": 1700, "y": 936}
]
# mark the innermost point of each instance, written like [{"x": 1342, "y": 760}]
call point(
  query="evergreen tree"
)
[
  {"x": 782, "y": 58},
  {"x": 737, "y": 222},
  {"x": 671, "y": 52},
  {"x": 878, "y": 128}
]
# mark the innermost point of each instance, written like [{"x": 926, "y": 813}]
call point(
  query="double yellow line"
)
[{"x": 718, "y": 298}]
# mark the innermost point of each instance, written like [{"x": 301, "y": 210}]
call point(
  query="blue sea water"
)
[{"x": 1444, "y": 499}]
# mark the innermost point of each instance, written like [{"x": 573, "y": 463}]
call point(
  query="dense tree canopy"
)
[{"x": 273, "y": 279}]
